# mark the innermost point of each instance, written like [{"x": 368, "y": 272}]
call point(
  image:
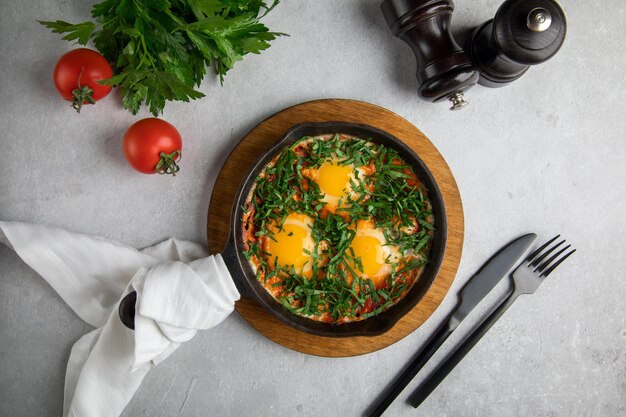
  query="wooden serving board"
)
[{"x": 258, "y": 140}]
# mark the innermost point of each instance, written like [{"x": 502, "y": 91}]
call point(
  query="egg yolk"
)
[
  {"x": 288, "y": 246},
  {"x": 334, "y": 179},
  {"x": 368, "y": 249}
]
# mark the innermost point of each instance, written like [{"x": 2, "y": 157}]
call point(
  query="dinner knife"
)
[{"x": 472, "y": 293}]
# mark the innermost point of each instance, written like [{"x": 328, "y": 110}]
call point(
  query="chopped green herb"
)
[{"x": 389, "y": 194}]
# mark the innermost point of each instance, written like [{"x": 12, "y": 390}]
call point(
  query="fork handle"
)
[{"x": 433, "y": 380}]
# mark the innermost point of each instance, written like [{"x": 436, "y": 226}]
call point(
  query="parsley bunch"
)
[{"x": 159, "y": 49}]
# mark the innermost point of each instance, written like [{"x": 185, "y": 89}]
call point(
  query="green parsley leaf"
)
[{"x": 81, "y": 32}]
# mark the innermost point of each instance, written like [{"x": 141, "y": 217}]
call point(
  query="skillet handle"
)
[
  {"x": 126, "y": 309},
  {"x": 231, "y": 259}
]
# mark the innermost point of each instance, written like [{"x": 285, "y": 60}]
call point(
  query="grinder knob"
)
[
  {"x": 523, "y": 33},
  {"x": 444, "y": 70}
]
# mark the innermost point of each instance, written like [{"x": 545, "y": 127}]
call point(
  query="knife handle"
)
[
  {"x": 417, "y": 363},
  {"x": 446, "y": 366}
]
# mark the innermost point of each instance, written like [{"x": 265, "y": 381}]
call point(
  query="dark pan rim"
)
[{"x": 246, "y": 280}]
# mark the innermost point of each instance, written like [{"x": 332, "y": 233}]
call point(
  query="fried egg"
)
[
  {"x": 334, "y": 180},
  {"x": 376, "y": 256},
  {"x": 292, "y": 245}
]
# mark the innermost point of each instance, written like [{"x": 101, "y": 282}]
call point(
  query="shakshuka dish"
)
[{"x": 337, "y": 228}]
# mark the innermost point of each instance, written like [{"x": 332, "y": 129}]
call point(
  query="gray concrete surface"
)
[{"x": 545, "y": 154}]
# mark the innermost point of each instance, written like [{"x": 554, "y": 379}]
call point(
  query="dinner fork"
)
[{"x": 525, "y": 280}]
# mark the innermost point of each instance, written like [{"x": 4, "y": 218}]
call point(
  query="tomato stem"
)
[
  {"x": 82, "y": 94},
  {"x": 167, "y": 163}
]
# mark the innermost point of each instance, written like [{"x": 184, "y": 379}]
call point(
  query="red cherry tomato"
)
[
  {"x": 153, "y": 145},
  {"x": 76, "y": 76}
]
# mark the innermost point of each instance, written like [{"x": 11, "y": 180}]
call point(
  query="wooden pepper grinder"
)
[
  {"x": 444, "y": 70},
  {"x": 523, "y": 33}
]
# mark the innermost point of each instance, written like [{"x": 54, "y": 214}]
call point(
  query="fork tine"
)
[
  {"x": 553, "y": 267},
  {"x": 544, "y": 265},
  {"x": 542, "y": 247},
  {"x": 543, "y": 256}
]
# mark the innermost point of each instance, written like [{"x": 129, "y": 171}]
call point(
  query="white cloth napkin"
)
[{"x": 180, "y": 289}]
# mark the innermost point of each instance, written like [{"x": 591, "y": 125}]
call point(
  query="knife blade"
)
[
  {"x": 489, "y": 275},
  {"x": 478, "y": 286}
]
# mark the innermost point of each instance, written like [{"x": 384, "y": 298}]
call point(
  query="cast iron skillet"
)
[{"x": 245, "y": 279}]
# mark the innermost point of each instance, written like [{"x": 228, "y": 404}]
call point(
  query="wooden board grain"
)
[{"x": 260, "y": 139}]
